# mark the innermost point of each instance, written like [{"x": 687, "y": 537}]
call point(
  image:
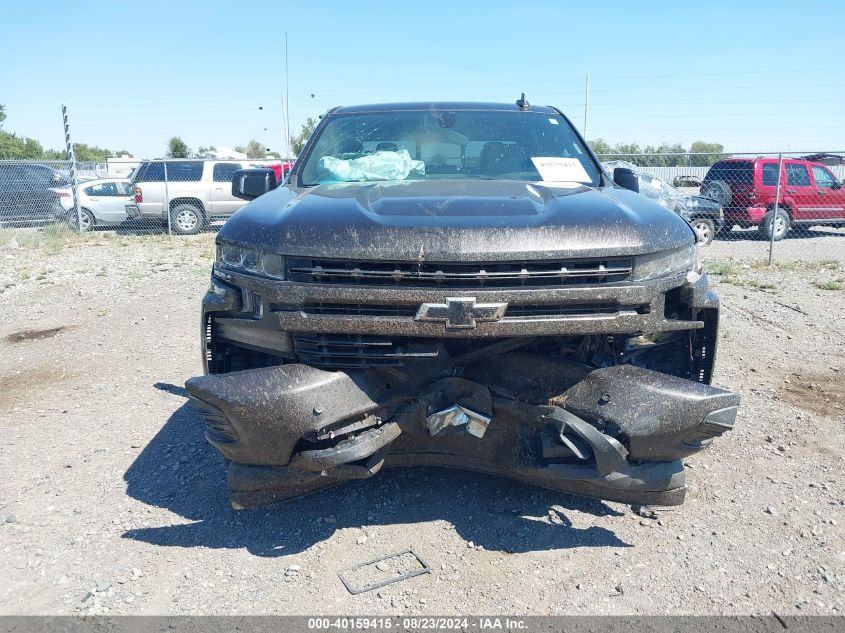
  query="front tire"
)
[
  {"x": 186, "y": 219},
  {"x": 777, "y": 223},
  {"x": 87, "y": 219},
  {"x": 704, "y": 229}
]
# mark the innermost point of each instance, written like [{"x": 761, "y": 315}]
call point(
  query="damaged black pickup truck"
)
[{"x": 460, "y": 285}]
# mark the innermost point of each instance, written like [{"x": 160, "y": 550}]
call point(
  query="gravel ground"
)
[
  {"x": 815, "y": 244},
  {"x": 112, "y": 502}
]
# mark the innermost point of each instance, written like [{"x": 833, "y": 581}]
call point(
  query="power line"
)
[
  {"x": 261, "y": 100},
  {"x": 705, "y": 115},
  {"x": 440, "y": 87},
  {"x": 699, "y": 102},
  {"x": 713, "y": 129}
]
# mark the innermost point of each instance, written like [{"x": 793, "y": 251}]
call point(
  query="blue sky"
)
[{"x": 754, "y": 76}]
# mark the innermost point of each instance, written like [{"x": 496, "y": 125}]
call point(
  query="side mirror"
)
[
  {"x": 248, "y": 184},
  {"x": 627, "y": 179},
  {"x": 836, "y": 185}
]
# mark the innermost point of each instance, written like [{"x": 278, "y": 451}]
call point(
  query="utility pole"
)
[
  {"x": 286, "y": 102},
  {"x": 586, "y": 103},
  {"x": 285, "y": 129}
]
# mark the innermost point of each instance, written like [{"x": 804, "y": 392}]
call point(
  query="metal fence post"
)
[
  {"x": 74, "y": 186},
  {"x": 167, "y": 200},
  {"x": 775, "y": 210}
]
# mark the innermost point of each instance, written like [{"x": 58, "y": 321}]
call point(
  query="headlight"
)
[
  {"x": 251, "y": 260},
  {"x": 683, "y": 259}
]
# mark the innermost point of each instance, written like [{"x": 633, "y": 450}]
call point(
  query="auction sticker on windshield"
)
[{"x": 559, "y": 169}]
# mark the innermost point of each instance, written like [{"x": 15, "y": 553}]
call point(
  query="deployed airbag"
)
[{"x": 383, "y": 165}]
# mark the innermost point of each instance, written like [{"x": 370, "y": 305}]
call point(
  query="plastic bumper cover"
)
[{"x": 618, "y": 433}]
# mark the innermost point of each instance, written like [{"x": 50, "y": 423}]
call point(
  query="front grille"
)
[
  {"x": 358, "y": 309},
  {"x": 514, "y": 311},
  {"x": 350, "y": 351},
  {"x": 208, "y": 341},
  {"x": 540, "y": 311},
  {"x": 461, "y": 275}
]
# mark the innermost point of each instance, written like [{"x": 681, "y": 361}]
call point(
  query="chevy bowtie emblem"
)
[{"x": 461, "y": 312}]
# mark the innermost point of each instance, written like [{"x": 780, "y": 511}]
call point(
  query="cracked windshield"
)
[{"x": 442, "y": 144}]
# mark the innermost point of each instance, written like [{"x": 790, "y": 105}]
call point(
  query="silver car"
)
[{"x": 102, "y": 202}]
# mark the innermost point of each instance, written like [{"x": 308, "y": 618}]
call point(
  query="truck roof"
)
[{"x": 412, "y": 106}]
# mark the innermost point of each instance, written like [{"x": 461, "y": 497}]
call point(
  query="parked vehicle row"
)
[
  {"x": 198, "y": 191},
  {"x": 193, "y": 193}
]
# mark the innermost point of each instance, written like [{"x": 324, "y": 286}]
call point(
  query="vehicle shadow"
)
[
  {"x": 152, "y": 227},
  {"x": 178, "y": 470},
  {"x": 140, "y": 227}
]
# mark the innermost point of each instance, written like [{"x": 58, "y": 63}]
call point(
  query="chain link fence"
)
[
  {"x": 774, "y": 206},
  {"x": 172, "y": 196},
  {"x": 28, "y": 192},
  {"x": 751, "y": 207}
]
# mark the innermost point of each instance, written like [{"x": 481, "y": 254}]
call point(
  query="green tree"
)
[
  {"x": 298, "y": 142},
  {"x": 630, "y": 152},
  {"x": 715, "y": 151},
  {"x": 13, "y": 146},
  {"x": 17, "y": 147},
  {"x": 203, "y": 150},
  {"x": 90, "y": 153},
  {"x": 254, "y": 149},
  {"x": 600, "y": 147},
  {"x": 663, "y": 155},
  {"x": 177, "y": 148},
  {"x": 84, "y": 153},
  {"x": 674, "y": 155}
]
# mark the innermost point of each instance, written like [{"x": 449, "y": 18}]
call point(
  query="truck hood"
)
[{"x": 455, "y": 220}]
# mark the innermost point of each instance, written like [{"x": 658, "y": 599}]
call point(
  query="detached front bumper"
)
[
  {"x": 618, "y": 433},
  {"x": 314, "y": 384}
]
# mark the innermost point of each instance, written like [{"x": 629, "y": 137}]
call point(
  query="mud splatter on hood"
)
[{"x": 456, "y": 220}]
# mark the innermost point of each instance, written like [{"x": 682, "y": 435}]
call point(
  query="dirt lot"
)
[
  {"x": 815, "y": 244},
  {"x": 112, "y": 502}
]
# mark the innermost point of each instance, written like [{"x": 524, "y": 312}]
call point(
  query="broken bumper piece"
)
[{"x": 618, "y": 433}]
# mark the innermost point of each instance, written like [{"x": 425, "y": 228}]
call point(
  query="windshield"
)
[{"x": 439, "y": 144}]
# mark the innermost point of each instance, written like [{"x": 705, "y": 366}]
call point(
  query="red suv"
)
[{"x": 809, "y": 194}]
